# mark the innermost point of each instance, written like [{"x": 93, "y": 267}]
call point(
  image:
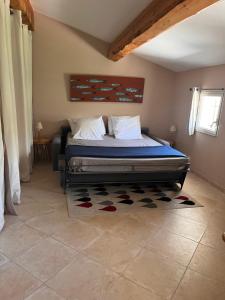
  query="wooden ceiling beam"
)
[
  {"x": 157, "y": 17},
  {"x": 27, "y": 11}
]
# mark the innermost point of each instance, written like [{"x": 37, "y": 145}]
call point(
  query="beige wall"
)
[
  {"x": 207, "y": 152},
  {"x": 59, "y": 51}
]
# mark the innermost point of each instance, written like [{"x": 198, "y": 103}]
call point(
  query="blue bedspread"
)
[{"x": 122, "y": 152}]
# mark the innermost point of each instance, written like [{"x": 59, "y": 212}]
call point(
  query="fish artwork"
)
[
  {"x": 105, "y": 89},
  {"x": 98, "y": 98},
  {"x": 124, "y": 99},
  {"x": 86, "y": 93},
  {"x": 115, "y": 84},
  {"x": 138, "y": 96},
  {"x": 132, "y": 90},
  {"x": 95, "y": 80},
  {"x": 120, "y": 94},
  {"x": 82, "y": 86},
  {"x": 75, "y": 99}
]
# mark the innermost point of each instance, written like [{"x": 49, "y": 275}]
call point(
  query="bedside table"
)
[{"x": 42, "y": 149}]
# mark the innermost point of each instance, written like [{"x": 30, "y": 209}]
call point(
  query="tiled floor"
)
[{"x": 146, "y": 255}]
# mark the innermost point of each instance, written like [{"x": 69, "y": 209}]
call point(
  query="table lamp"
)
[{"x": 39, "y": 127}]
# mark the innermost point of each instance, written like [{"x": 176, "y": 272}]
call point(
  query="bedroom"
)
[{"x": 127, "y": 248}]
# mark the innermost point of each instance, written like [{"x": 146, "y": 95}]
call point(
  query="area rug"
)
[{"x": 114, "y": 198}]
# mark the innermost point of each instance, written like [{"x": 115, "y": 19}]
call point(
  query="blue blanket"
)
[{"x": 122, "y": 152}]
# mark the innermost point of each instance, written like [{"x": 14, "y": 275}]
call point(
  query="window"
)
[{"x": 209, "y": 111}]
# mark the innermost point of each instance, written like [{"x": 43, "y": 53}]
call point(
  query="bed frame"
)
[{"x": 67, "y": 178}]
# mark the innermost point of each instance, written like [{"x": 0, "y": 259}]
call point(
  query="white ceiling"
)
[
  {"x": 196, "y": 42},
  {"x": 104, "y": 19}
]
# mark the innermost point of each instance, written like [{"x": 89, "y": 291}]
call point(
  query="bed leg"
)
[{"x": 182, "y": 180}]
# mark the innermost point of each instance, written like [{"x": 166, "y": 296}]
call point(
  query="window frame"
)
[{"x": 211, "y": 93}]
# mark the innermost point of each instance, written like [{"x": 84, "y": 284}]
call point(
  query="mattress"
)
[
  {"x": 110, "y": 141},
  {"x": 174, "y": 161}
]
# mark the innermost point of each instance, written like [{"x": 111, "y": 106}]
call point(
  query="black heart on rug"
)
[
  {"x": 82, "y": 195},
  {"x": 161, "y": 194},
  {"x": 124, "y": 197},
  {"x": 127, "y": 201},
  {"x": 150, "y": 205},
  {"x": 84, "y": 199},
  {"x": 85, "y": 205},
  {"x": 187, "y": 202},
  {"x": 164, "y": 199},
  {"x": 102, "y": 193},
  {"x": 107, "y": 202},
  {"x": 138, "y": 191},
  {"x": 146, "y": 200},
  {"x": 120, "y": 192},
  {"x": 100, "y": 189}
]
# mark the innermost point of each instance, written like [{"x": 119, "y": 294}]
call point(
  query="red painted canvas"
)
[{"x": 97, "y": 88}]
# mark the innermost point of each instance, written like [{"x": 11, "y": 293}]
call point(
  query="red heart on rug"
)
[
  {"x": 109, "y": 208},
  {"x": 85, "y": 205},
  {"x": 182, "y": 198},
  {"x": 126, "y": 197}
]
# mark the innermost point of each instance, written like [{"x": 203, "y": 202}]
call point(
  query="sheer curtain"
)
[
  {"x": 194, "y": 110},
  {"x": 8, "y": 104},
  {"x": 22, "y": 60},
  {"x": 2, "y": 189}
]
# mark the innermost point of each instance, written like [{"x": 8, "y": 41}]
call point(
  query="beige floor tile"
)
[
  {"x": 209, "y": 262},
  {"x": 44, "y": 293},
  {"x": 218, "y": 220},
  {"x": 194, "y": 286},
  {"x": 173, "y": 246},
  {"x": 17, "y": 239},
  {"x": 30, "y": 210},
  {"x": 46, "y": 258},
  {"x": 3, "y": 259},
  {"x": 104, "y": 222},
  {"x": 151, "y": 216},
  {"x": 78, "y": 235},
  {"x": 113, "y": 252},
  {"x": 11, "y": 220},
  {"x": 184, "y": 227},
  {"x": 16, "y": 283},
  {"x": 155, "y": 273},
  {"x": 213, "y": 238},
  {"x": 83, "y": 279},
  {"x": 134, "y": 230},
  {"x": 43, "y": 196},
  {"x": 123, "y": 289},
  {"x": 49, "y": 223},
  {"x": 198, "y": 214}
]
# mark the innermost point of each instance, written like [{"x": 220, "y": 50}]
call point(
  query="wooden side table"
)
[{"x": 42, "y": 149}]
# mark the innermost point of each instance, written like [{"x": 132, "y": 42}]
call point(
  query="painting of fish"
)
[
  {"x": 94, "y": 80},
  {"x": 82, "y": 86},
  {"x": 101, "y": 88}
]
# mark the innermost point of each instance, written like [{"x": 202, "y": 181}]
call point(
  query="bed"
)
[{"x": 111, "y": 160}]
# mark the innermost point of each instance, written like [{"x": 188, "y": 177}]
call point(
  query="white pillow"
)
[
  {"x": 88, "y": 128},
  {"x": 128, "y": 129},
  {"x": 112, "y": 121}
]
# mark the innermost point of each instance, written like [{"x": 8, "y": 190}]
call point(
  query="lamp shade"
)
[
  {"x": 39, "y": 126},
  {"x": 173, "y": 129}
]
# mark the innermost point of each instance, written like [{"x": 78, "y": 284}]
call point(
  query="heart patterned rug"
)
[{"x": 111, "y": 198}]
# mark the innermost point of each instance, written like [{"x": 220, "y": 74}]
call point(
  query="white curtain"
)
[
  {"x": 2, "y": 189},
  {"x": 194, "y": 110},
  {"x": 9, "y": 116},
  {"x": 22, "y": 61}
]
